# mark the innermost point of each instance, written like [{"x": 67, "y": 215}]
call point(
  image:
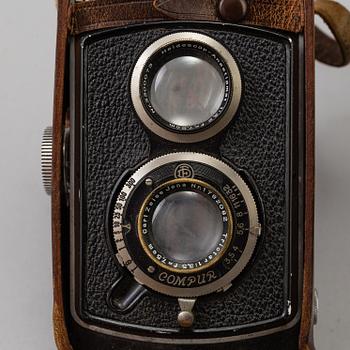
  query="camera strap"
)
[{"x": 333, "y": 52}]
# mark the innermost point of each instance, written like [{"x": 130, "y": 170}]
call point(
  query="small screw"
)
[
  {"x": 256, "y": 231},
  {"x": 151, "y": 269},
  {"x": 185, "y": 319},
  {"x": 149, "y": 182}
]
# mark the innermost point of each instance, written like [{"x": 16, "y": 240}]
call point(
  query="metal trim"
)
[
  {"x": 219, "y": 284},
  {"x": 191, "y": 341},
  {"x": 200, "y": 135}
]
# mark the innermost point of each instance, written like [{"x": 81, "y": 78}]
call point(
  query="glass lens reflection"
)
[
  {"x": 187, "y": 226},
  {"x": 187, "y": 91}
]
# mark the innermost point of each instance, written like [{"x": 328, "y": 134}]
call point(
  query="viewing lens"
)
[
  {"x": 187, "y": 226},
  {"x": 187, "y": 91}
]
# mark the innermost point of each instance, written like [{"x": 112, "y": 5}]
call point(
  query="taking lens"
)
[
  {"x": 187, "y": 90},
  {"x": 187, "y": 226},
  {"x": 180, "y": 235}
]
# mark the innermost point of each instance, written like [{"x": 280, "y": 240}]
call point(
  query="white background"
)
[{"x": 27, "y": 32}]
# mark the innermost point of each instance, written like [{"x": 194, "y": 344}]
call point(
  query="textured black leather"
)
[{"x": 256, "y": 142}]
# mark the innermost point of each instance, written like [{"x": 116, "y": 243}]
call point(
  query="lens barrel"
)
[
  {"x": 186, "y": 87},
  {"x": 185, "y": 224}
]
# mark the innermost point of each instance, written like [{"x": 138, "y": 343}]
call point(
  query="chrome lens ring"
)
[
  {"x": 182, "y": 45},
  {"x": 201, "y": 167}
]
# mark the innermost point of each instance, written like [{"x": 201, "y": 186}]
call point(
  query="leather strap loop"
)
[
  {"x": 337, "y": 17},
  {"x": 278, "y": 14},
  {"x": 94, "y": 15},
  {"x": 97, "y": 14}
]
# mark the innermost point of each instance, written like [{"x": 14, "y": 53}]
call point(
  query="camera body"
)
[
  {"x": 260, "y": 143},
  {"x": 186, "y": 173}
]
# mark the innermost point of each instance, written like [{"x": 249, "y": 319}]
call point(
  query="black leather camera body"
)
[{"x": 187, "y": 186}]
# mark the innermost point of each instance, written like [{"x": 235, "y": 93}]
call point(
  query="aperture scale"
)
[{"x": 151, "y": 267}]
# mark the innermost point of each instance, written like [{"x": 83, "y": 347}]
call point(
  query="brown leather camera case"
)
[{"x": 289, "y": 15}]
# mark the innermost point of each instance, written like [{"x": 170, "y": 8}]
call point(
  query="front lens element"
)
[
  {"x": 187, "y": 226},
  {"x": 187, "y": 91}
]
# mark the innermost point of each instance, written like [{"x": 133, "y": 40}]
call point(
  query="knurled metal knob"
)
[{"x": 46, "y": 159}]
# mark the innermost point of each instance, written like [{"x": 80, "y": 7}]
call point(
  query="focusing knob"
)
[{"x": 46, "y": 159}]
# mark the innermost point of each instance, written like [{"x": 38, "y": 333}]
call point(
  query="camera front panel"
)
[{"x": 260, "y": 141}]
